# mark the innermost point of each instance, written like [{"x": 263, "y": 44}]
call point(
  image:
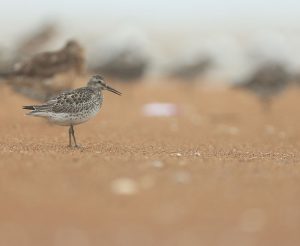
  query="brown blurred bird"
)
[
  {"x": 47, "y": 73},
  {"x": 268, "y": 81}
]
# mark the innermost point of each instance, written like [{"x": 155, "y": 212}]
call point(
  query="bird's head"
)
[{"x": 97, "y": 81}]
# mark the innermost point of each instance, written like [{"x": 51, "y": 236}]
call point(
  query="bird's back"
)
[{"x": 76, "y": 100}]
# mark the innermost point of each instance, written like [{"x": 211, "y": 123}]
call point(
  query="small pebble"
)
[
  {"x": 124, "y": 186},
  {"x": 177, "y": 154}
]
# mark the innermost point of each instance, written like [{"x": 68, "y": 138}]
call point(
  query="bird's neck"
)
[{"x": 97, "y": 90}]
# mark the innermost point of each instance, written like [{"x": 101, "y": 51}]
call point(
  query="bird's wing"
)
[{"x": 72, "y": 101}]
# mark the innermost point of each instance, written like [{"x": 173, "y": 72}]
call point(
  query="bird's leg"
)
[
  {"x": 73, "y": 134},
  {"x": 70, "y": 133}
]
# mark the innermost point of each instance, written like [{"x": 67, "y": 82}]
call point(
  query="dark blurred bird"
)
[
  {"x": 47, "y": 73},
  {"x": 127, "y": 65},
  {"x": 266, "y": 82}
]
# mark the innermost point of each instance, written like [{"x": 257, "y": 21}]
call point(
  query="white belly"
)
[{"x": 65, "y": 119}]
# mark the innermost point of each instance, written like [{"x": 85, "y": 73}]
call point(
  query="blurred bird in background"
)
[
  {"x": 266, "y": 82},
  {"x": 45, "y": 74},
  {"x": 33, "y": 42},
  {"x": 127, "y": 65},
  {"x": 123, "y": 54}
]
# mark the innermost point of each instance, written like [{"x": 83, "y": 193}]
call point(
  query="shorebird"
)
[
  {"x": 267, "y": 82},
  {"x": 75, "y": 106},
  {"x": 48, "y": 64},
  {"x": 47, "y": 73}
]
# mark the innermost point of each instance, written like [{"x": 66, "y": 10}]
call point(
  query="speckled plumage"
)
[{"x": 75, "y": 106}]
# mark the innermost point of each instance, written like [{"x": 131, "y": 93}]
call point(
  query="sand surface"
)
[{"x": 219, "y": 172}]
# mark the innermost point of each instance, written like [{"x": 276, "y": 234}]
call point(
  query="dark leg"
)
[
  {"x": 73, "y": 134},
  {"x": 70, "y": 133}
]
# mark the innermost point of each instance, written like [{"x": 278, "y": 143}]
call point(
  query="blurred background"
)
[
  {"x": 186, "y": 156},
  {"x": 161, "y": 37}
]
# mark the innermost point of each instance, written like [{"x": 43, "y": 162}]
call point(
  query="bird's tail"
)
[
  {"x": 30, "y": 107},
  {"x": 37, "y": 110}
]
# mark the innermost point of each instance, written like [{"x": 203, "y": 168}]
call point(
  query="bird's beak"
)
[{"x": 113, "y": 90}]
